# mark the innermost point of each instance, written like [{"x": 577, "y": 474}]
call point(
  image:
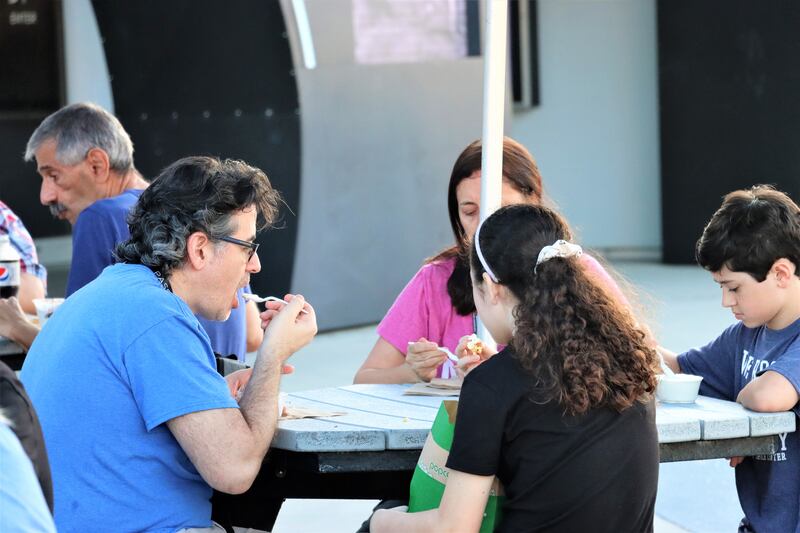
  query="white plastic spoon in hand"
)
[
  {"x": 665, "y": 367},
  {"x": 450, "y": 355},
  {"x": 261, "y": 299}
]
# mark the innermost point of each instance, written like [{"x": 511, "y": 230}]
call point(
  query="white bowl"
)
[{"x": 680, "y": 388}]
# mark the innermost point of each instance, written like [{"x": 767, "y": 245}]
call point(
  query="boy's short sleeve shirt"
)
[
  {"x": 768, "y": 485},
  {"x": 716, "y": 362}
]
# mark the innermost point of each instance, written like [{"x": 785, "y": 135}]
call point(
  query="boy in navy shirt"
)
[{"x": 751, "y": 246}]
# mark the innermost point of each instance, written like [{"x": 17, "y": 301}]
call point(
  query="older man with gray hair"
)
[
  {"x": 138, "y": 423},
  {"x": 85, "y": 158}
]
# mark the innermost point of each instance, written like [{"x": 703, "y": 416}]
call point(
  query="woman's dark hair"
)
[
  {"x": 750, "y": 231},
  {"x": 193, "y": 194},
  {"x": 520, "y": 170},
  {"x": 581, "y": 348}
]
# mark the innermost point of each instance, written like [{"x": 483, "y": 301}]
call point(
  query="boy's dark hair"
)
[{"x": 750, "y": 231}]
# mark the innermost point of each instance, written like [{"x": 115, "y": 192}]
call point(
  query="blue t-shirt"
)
[
  {"x": 22, "y": 504},
  {"x": 97, "y": 231},
  {"x": 768, "y": 486},
  {"x": 120, "y": 358}
]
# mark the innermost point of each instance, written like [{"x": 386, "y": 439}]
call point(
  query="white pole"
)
[{"x": 494, "y": 99}]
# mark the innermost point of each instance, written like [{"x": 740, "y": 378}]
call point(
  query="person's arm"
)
[
  {"x": 227, "y": 446},
  {"x": 385, "y": 364},
  {"x": 422, "y": 359},
  {"x": 18, "y": 409},
  {"x": 670, "y": 357},
  {"x": 461, "y": 509},
  {"x": 22, "y": 504},
  {"x": 476, "y": 447},
  {"x": 30, "y": 287},
  {"x": 237, "y": 381},
  {"x": 768, "y": 393},
  {"x": 254, "y": 333},
  {"x": 393, "y": 359},
  {"x": 14, "y": 325},
  {"x": 717, "y": 362}
]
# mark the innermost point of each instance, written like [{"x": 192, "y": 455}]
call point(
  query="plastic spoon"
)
[
  {"x": 450, "y": 355},
  {"x": 261, "y": 299},
  {"x": 664, "y": 366}
]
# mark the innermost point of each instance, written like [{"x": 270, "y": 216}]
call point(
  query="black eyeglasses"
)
[{"x": 253, "y": 246}]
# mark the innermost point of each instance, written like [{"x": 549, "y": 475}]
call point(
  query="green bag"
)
[{"x": 430, "y": 475}]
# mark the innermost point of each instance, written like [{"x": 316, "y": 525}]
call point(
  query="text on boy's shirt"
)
[{"x": 752, "y": 367}]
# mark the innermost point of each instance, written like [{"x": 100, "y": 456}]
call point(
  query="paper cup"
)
[
  {"x": 678, "y": 388},
  {"x": 45, "y": 307}
]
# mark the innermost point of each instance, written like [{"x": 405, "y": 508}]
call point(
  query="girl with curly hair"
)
[{"x": 564, "y": 416}]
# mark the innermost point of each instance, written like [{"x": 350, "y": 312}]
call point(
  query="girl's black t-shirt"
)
[{"x": 595, "y": 472}]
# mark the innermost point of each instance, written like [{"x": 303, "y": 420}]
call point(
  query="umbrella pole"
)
[{"x": 494, "y": 99}]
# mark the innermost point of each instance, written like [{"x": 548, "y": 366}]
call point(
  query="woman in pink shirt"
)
[{"x": 436, "y": 307}]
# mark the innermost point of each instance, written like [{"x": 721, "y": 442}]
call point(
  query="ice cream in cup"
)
[{"x": 45, "y": 307}]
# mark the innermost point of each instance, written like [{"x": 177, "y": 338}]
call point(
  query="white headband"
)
[
  {"x": 480, "y": 254},
  {"x": 560, "y": 248}
]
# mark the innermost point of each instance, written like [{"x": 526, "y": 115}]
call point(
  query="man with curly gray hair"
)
[{"x": 140, "y": 425}]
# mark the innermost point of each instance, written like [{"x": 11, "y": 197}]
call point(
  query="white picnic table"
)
[
  {"x": 381, "y": 417},
  {"x": 370, "y": 452}
]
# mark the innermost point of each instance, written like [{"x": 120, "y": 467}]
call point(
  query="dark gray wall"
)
[{"x": 730, "y": 116}]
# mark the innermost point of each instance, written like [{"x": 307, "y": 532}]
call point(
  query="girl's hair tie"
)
[{"x": 560, "y": 248}]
